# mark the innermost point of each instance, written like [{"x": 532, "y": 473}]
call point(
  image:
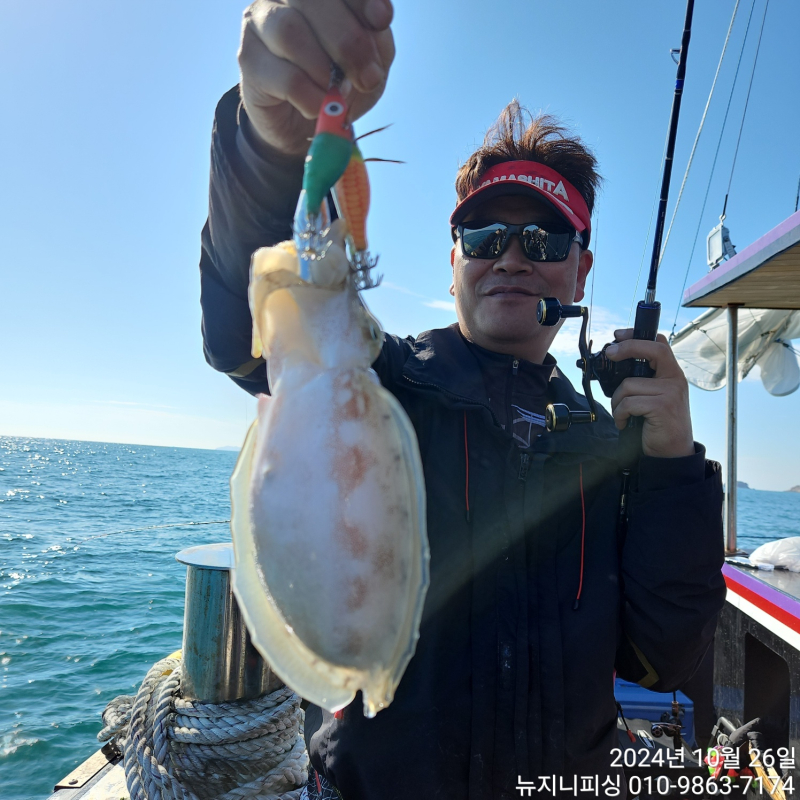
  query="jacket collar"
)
[{"x": 442, "y": 361}]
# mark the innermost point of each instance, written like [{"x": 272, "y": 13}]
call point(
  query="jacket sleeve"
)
[
  {"x": 671, "y": 570},
  {"x": 252, "y": 195}
]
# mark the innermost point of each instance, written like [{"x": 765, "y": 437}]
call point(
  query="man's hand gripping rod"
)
[{"x": 596, "y": 366}]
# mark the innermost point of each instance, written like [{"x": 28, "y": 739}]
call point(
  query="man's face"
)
[{"x": 496, "y": 299}]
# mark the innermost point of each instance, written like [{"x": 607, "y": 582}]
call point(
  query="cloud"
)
[
  {"x": 603, "y": 324},
  {"x": 430, "y": 302},
  {"x": 396, "y": 288},
  {"x": 132, "y": 403},
  {"x": 444, "y": 305}
]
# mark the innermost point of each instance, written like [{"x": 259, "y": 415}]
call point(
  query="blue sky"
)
[{"x": 108, "y": 111}]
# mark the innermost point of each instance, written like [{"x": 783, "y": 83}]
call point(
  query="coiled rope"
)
[{"x": 176, "y": 749}]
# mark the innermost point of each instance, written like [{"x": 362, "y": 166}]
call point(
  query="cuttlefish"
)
[{"x": 328, "y": 497}]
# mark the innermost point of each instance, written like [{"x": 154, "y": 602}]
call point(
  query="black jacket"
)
[{"x": 512, "y": 678}]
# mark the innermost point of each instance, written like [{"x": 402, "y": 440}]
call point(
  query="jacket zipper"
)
[
  {"x": 509, "y": 396},
  {"x": 524, "y": 465},
  {"x": 466, "y": 400}
]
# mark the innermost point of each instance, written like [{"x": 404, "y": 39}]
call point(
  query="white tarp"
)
[
  {"x": 780, "y": 553},
  {"x": 764, "y": 339}
]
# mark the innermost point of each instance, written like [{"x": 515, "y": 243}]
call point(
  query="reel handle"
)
[
  {"x": 595, "y": 366},
  {"x": 558, "y": 417},
  {"x": 550, "y": 312}
]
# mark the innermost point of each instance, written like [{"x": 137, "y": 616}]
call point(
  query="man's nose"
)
[{"x": 513, "y": 259}]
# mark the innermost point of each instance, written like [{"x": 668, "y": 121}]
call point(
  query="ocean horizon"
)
[{"x": 90, "y": 592}]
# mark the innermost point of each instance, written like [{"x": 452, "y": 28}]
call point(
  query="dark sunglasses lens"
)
[
  {"x": 542, "y": 245},
  {"x": 484, "y": 242}
]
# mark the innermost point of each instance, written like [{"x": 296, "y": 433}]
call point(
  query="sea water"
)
[
  {"x": 91, "y": 595},
  {"x": 90, "y": 592}
]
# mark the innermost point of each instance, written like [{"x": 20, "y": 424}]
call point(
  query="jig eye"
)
[{"x": 334, "y": 108}]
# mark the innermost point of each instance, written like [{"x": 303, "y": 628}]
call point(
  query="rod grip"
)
[
  {"x": 645, "y": 328},
  {"x": 648, "y": 315}
]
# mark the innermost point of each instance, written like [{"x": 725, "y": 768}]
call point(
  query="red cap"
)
[{"x": 530, "y": 178}]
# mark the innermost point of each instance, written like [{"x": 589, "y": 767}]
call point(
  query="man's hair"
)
[{"x": 519, "y": 136}]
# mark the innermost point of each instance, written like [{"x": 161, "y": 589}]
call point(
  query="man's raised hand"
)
[
  {"x": 662, "y": 400},
  {"x": 285, "y": 58}
]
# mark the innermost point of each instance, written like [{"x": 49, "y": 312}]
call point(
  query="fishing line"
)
[
  {"x": 699, "y": 131},
  {"x": 149, "y": 528},
  {"x": 746, "y": 102},
  {"x": 713, "y": 168},
  {"x": 52, "y": 554}
]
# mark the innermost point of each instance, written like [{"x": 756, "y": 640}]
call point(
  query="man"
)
[{"x": 537, "y": 596}]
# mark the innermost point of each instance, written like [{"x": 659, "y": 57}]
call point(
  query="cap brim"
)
[{"x": 501, "y": 188}]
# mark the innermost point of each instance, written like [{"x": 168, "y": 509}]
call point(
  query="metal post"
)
[
  {"x": 220, "y": 663},
  {"x": 732, "y": 375}
]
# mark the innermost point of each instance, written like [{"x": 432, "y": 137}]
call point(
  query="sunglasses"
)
[{"x": 481, "y": 239}]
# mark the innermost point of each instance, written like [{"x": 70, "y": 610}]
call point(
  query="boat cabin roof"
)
[{"x": 766, "y": 274}]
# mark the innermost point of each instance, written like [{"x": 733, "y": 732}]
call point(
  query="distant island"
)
[
  {"x": 794, "y": 489},
  {"x": 236, "y": 449},
  {"x": 741, "y": 485}
]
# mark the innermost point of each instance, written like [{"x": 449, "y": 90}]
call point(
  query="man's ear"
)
[
  {"x": 452, "y": 267},
  {"x": 584, "y": 267}
]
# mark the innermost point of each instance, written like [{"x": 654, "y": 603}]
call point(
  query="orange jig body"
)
[{"x": 352, "y": 194}]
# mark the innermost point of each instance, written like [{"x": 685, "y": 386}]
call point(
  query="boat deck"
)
[
  {"x": 780, "y": 579},
  {"x": 100, "y": 777}
]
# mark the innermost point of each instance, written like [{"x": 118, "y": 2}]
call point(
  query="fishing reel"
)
[{"x": 596, "y": 366}]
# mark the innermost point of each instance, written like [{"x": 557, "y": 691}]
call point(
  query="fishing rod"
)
[{"x": 596, "y": 366}]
